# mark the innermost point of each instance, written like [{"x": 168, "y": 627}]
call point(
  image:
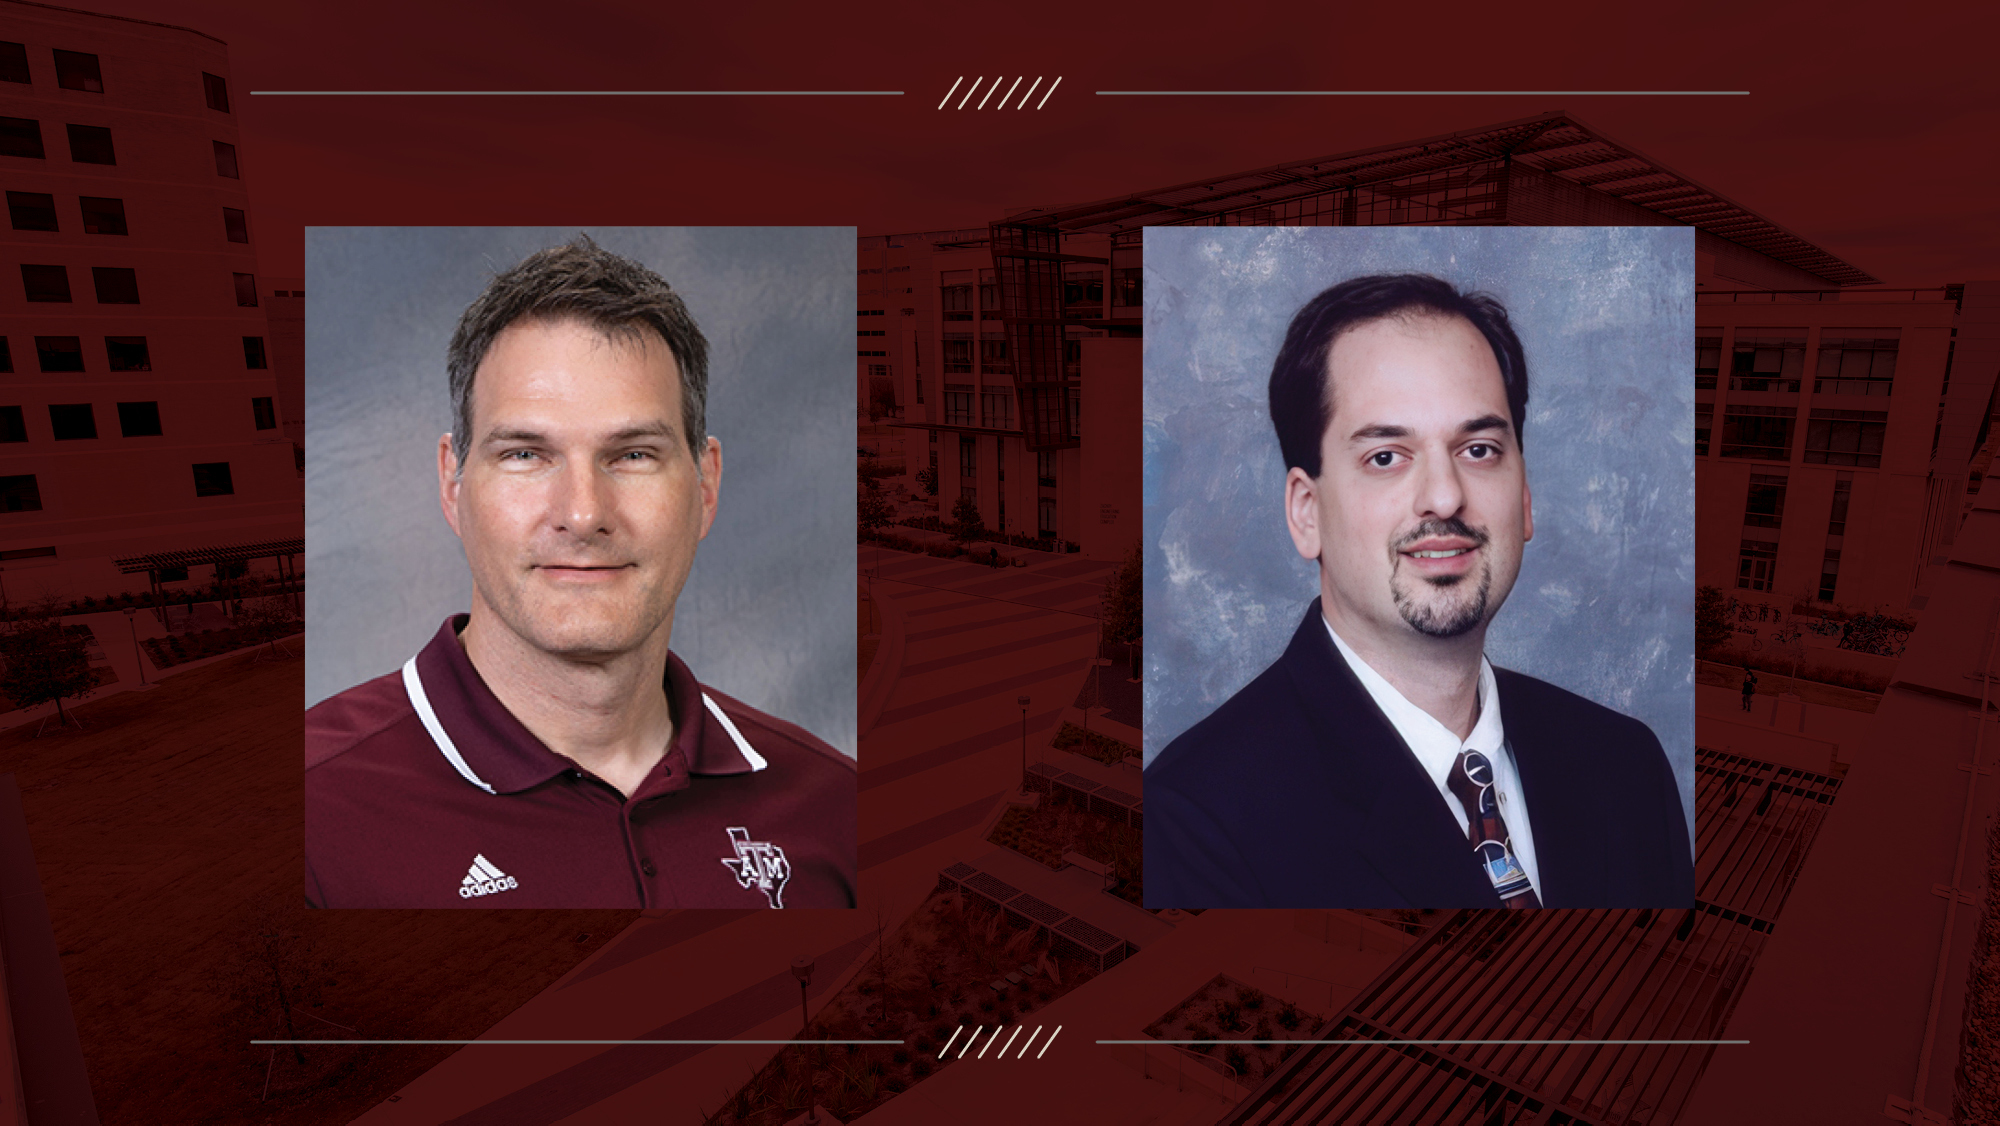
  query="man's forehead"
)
[
  {"x": 1416, "y": 363},
  {"x": 568, "y": 359}
]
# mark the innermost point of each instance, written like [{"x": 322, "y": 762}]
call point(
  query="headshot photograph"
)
[
  {"x": 580, "y": 518},
  {"x": 1419, "y": 586}
]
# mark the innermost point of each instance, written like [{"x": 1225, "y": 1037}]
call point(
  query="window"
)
[
  {"x": 871, "y": 332},
  {"x": 59, "y": 353},
  {"x": 956, "y": 301},
  {"x": 1762, "y": 432},
  {"x": 235, "y": 224},
  {"x": 13, "y": 425},
  {"x": 1707, "y": 357},
  {"x": 261, "y": 412},
  {"x": 870, "y": 312},
  {"x": 1768, "y": 359},
  {"x": 211, "y": 479},
  {"x": 32, "y": 211},
  {"x": 76, "y": 70},
  {"x": 1756, "y": 565},
  {"x": 1765, "y": 506},
  {"x": 1075, "y": 413},
  {"x": 1860, "y": 361},
  {"x": 253, "y": 352},
  {"x": 246, "y": 289},
  {"x": 1047, "y": 511},
  {"x": 21, "y": 136},
  {"x": 19, "y": 494},
  {"x": 968, "y": 456},
  {"x": 1836, "y": 520},
  {"x": 1045, "y": 468},
  {"x": 1084, "y": 288},
  {"x": 957, "y": 353},
  {"x": 958, "y": 408},
  {"x": 127, "y": 353},
  {"x": 6, "y": 355},
  {"x": 72, "y": 421},
  {"x": 216, "y": 91},
  {"x": 225, "y": 161},
  {"x": 877, "y": 352},
  {"x": 45, "y": 283},
  {"x": 998, "y": 409},
  {"x": 989, "y": 296},
  {"x": 116, "y": 285},
  {"x": 103, "y": 215},
  {"x": 91, "y": 144},
  {"x": 14, "y": 63},
  {"x": 1125, "y": 286},
  {"x": 1835, "y": 437},
  {"x": 1829, "y": 574},
  {"x": 993, "y": 354},
  {"x": 139, "y": 420},
  {"x": 1704, "y": 421}
]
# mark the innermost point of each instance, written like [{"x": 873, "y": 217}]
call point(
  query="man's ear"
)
[
  {"x": 711, "y": 482},
  {"x": 1302, "y": 512},
  {"x": 448, "y": 483},
  {"x": 1527, "y": 511}
]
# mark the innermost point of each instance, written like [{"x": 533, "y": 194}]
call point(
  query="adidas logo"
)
[{"x": 484, "y": 879}]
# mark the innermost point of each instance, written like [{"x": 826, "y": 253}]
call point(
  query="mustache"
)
[{"x": 1448, "y": 526}]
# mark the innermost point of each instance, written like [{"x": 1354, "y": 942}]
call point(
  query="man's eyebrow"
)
[
  {"x": 1486, "y": 422},
  {"x": 512, "y": 434},
  {"x": 661, "y": 430},
  {"x": 1379, "y": 430}
]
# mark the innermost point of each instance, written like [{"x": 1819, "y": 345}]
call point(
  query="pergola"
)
[{"x": 280, "y": 551}]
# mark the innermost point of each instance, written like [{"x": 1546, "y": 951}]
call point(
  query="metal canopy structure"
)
[
  {"x": 170, "y": 560},
  {"x": 1566, "y": 1018},
  {"x": 1461, "y": 177}
]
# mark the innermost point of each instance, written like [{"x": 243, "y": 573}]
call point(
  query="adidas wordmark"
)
[{"x": 484, "y": 879}]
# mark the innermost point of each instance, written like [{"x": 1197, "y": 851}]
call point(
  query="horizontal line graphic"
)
[
  {"x": 1392, "y": 1043},
  {"x": 1428, "y": 93},
  {"x": 447, "y": 1043},
  {"x": 578, "y": 93}
]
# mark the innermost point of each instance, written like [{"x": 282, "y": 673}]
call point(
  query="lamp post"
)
[
  {"x": 802, "y": 968},
  {"x": 131, "y": 613},
  {"x": 1023, "y": 701}
]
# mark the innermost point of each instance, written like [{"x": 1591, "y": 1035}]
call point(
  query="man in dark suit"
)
[{"x": 1382, "y": 761}]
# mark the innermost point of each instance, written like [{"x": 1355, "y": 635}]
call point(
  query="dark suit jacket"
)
[{"x": 1298, "y": 792}]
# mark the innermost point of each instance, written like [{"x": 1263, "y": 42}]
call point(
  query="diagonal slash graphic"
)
[{"x": 987, "y": 97}]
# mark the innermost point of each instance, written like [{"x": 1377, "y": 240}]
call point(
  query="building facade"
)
[{"x": 138, "y": 409}]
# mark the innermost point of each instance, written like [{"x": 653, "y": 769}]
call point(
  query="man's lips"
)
[
  {"x": 582, "y": 572},
  {"x": 1439, "y": 548}
]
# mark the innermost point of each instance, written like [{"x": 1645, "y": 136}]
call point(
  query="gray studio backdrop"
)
[
  {"x": 1604, "y": 605},
  {"x": 767, "y": 615}
]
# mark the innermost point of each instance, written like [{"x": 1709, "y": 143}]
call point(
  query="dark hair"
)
[
  {"x": 1301, "y": 390},
  {"x": 583, "y": 282}
]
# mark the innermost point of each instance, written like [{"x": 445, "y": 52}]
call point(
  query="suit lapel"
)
[
  {"x": 1397, "y": 819},
  {"x": 1569, "y": 826}
]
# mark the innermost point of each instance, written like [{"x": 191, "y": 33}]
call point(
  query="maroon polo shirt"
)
[{"x": 422, "y": 790}]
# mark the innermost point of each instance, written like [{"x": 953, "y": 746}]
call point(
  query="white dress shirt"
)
[{"x": 1437, "y": 749}]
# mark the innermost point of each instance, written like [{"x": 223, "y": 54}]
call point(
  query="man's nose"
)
[
  {"x": 1440, "y": 493},
  {"x": 583, "y": 501}
]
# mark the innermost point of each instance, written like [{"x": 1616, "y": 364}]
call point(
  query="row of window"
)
[
  {"x": 1833, "y": 437},
  {"x": 121, "y": 353},
  {"x": 79, "y": 70},
  {"x": 115, "y": 285},
  {"x": 21, "y": 493},
  {"x": 1857, "y": 361},
  {"x": 101, "y": 215},
  {"x": 75, "y": 422},
  {"x": 90, "y": 144}
]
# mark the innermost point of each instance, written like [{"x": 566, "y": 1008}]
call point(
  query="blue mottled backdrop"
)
[{"x": 1605, "y": 602}]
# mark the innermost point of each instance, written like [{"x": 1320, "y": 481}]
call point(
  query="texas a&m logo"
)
[{"x": 759, "y": 864}]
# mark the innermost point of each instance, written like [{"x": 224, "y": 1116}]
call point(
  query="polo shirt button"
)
[{"x": 646, "y": 866}]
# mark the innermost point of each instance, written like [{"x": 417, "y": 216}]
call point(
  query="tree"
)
[
  {"x": 1712, "y": 627},
  {"x": 1124, "y": 600},
  {"x": 269, "y": 619},
  {"x": 45, "y": 660},
  {"x": 927, "y": 477},
  {"x": 966, "y": 526},
  {"x": 872, "y": 509}
]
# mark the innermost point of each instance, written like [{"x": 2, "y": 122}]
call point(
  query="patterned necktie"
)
[{"x": 1471, "y": 782}]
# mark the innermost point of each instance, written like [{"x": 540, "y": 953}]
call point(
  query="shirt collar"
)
[
  {"x": 1434, "y": 744},
  {"x": 495, "y": 751}
]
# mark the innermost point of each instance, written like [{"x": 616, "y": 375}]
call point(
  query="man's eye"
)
[
  {"x": 1382, "y": 459},
  {"x": 517, "y": 455},
  {"x": 1481, "y": 451}
]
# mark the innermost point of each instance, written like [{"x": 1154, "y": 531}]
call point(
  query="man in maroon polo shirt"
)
[{"x": 547, "y": 749}]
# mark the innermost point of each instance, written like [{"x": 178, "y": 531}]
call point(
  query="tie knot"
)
[{"x": 1471, "y": 782}]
